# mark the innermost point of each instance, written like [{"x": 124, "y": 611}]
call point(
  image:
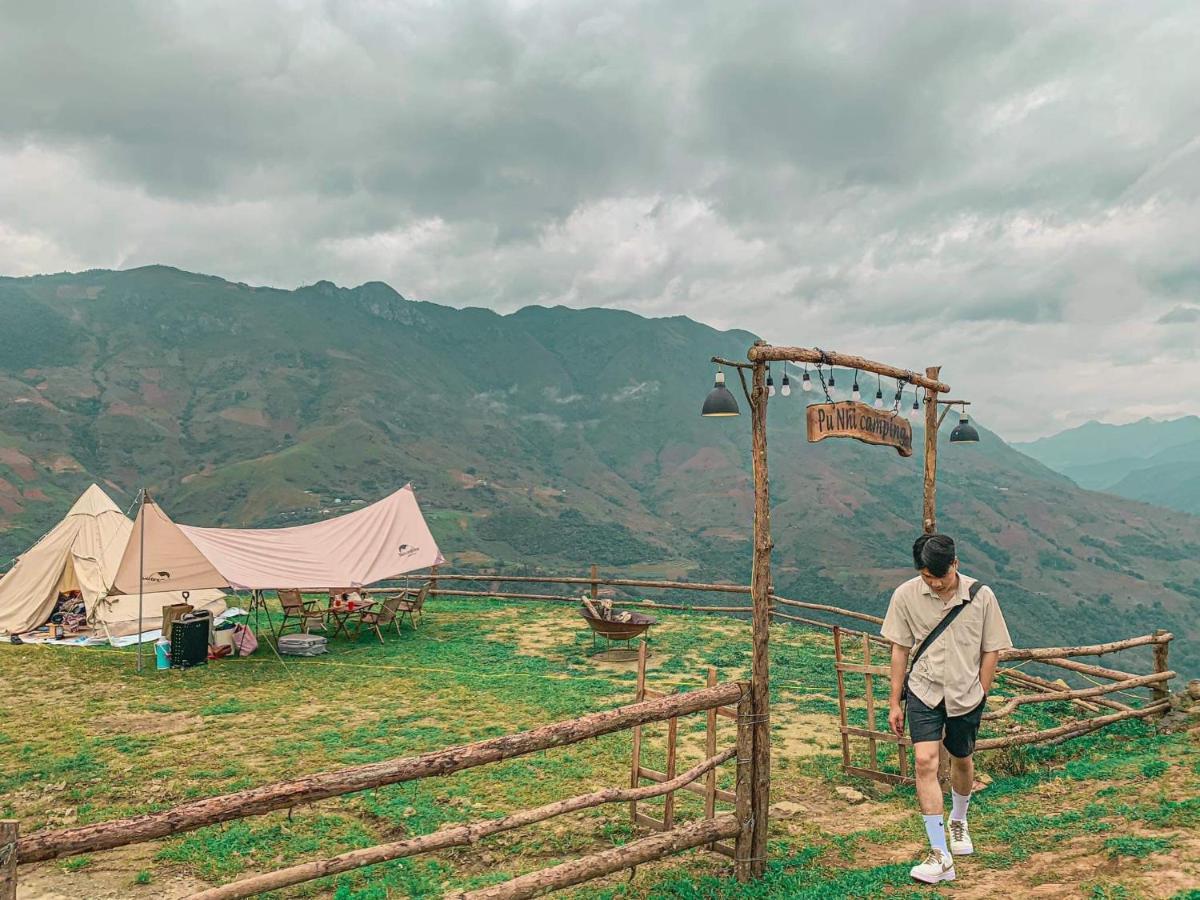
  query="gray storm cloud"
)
[{"x": 1009, "y": 189}]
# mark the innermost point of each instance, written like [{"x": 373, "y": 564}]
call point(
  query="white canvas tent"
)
[
  {"x": 82, "y": 552},
  {"x": 384, "y": 540}
]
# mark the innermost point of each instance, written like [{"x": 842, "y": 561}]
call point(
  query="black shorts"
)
[{"x": 932, "y": 724}]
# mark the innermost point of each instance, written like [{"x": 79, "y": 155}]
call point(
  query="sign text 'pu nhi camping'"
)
[{"x": 861, "y": 422}]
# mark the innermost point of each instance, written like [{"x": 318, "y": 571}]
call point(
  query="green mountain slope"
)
[
  {"x": 1156, "y": 462},
  {"x": 549, "y": 437}
]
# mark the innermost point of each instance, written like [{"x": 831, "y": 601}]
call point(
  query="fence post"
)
[
  {"x": 595, "y": 582},
  {"x": 635, "y": 769},
  {"x": 841, "y": 689},
  {"x": 1160, "y": 691},
  {"x": 745, "y": 778},
  {"x": 433, "y": 589},
  {"x": 710, "y": 750},
  {"x": 9, "y": 829}
]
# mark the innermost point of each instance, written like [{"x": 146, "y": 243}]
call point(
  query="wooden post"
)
[
  {"x": 841, "y": 688},
  {"x": 669, "y": 800},
  {"x": 760, "y": 593},
  {"x": 433, "y": 581},
  {"x": 1160, "y": 691},
  {"x": 710, "y": 750},
  {"x": 872, "y": 746},
  {"x": 595, "y": 582},
  {"x": 9, "y": 829},
  {"x": 636, "y": 765},
  {"x": 743, "y": 806},
  {"x": 929, "y": 514}
]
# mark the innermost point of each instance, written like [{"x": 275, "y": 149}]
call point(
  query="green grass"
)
[{"x": 476, "y": 670}]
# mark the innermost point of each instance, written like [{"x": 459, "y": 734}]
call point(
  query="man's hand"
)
[{"x": 896, "y": 719}]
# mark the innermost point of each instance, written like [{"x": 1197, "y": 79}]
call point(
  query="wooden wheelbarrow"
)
[{"x": 633, "y": 626}]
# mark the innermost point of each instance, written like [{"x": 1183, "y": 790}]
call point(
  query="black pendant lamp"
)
[
  {"x": 720, "y": 402},
  {"x": 964, "y": 432}
]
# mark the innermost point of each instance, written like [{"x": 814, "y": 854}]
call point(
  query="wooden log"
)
[
  {"x": 1087, "y": 669},
  {"x": 886, "y": 777},
  {"x": 1010, "y": 705},
  {"x": 872, "y": 746},
  {"x": 669, "y": 800},
  {"x": 929, "y": 483},
  {"x": 636, "y": 764},
  {"x": 606, "y": 862},
  {"x": 822, "y": 607},
  {"x": 860, "y": 669},
  {"x": 595, "y": 583},
  {"x": 9, "y": 834},
  {"x": 743, "y": 807},
  {"x": 1080, "y": 726},
  {"x": 660, "y": 777},
  {"x": 281, "y": 795},
  {"x": 877, "y": 735},
  {"x": 1044, "y": 653},
  {"x": 841, "y": 689},
  {"x": 646, "y": 604},
  {"x": 1024, "y": 679},
  {"x": 453, "y": 836},
  {"x": 760, "y": 594},
  {"x": 761, "y": 353},
  {"x": 609, "y": 582},
  {"x": 1161, "y": 650},
  {"x": 710, "y": 740},
  {"x": 850, "y": 632}
]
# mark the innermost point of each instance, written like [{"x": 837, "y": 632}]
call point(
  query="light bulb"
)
[
  {"x": 806, "y": 383},
  {"x": 879, "y": 399},
  {"x": 915, "y": 412},
  {"x": 832, "y": 386},
  {"x": 785, "y": 386},
  {"x": 855, "y": 393},
  {"x": 770, "y": 384}
]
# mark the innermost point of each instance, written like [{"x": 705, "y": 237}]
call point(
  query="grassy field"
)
[{"x": 83, "y": 739}]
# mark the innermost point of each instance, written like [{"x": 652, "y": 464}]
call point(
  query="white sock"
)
[
  {"x": 958, "y": 811},
  {"x": 936, "y": 829}
]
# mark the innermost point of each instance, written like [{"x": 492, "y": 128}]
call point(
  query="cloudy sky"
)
[{"x": 1009, "y": 189}]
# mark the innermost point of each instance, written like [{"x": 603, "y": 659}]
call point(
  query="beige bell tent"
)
[{"x": 82, "y": 552}]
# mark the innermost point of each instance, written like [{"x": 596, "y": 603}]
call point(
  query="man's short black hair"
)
[{"x": 934, "y": 552}]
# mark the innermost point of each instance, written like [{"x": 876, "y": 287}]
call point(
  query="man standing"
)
[{"x": 953, "y": 628}]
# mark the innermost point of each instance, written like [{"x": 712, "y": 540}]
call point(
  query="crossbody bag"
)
[{"x": 935, "y": 634}]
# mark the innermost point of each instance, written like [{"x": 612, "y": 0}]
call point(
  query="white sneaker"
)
[
  {"x": 937, "y": 866},
  {"x": 960, "y": 838}
]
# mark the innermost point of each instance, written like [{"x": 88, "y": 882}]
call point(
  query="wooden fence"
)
[
  {"x": 43, "y": 845},
  {"x": 650, "y": 706},
  {"x": 1042, "y": 690}
]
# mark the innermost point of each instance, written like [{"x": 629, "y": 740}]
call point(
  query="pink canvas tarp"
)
[{"x": 384, "y": 540}]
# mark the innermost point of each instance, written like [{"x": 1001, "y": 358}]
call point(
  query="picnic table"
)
[{"x": 344, "y": 607}]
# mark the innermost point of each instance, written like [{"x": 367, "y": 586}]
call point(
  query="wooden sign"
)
[{"x": 861, "y": 422}]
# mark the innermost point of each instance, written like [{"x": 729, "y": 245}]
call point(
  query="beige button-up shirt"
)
[{"x": 949, "y": 668}]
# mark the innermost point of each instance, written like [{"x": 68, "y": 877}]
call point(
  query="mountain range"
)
[
  {"x": 1151, "y": 460},
  {"x": 548, "y": 439}
]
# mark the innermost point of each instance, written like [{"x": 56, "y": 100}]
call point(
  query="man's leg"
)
[
  {"x": 960, "y": 742},
  {"x": 926, "y": 726}
]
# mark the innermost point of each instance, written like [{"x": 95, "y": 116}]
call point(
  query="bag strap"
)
[{"x": 942, "y": 626}]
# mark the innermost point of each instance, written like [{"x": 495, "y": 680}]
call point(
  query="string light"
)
[
  {"x": 831, "y": 387},
  {"x": 785, "y": 386},
  {"x": 915, "y": 412},
  {"x": 855, "y": 393},
  {"x": 878, "y": 393},
  {"x": 805, "y": 381},
  {"x": 770, "y": 382}
]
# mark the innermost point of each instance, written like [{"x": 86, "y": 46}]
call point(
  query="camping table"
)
[{"x": 340, "y": 613}]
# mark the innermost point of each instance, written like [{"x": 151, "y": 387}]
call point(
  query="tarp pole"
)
[{"x": 141, "y": 574}]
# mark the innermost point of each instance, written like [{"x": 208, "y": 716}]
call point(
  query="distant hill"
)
[
  {"x": 1158, "y": 462},
  {"x": 548, "y": 438}
]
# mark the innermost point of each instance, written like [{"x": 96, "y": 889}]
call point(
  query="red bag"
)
[{"x": 244, "y": 640}]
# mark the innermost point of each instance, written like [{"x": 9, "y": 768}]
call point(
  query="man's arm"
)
[
  {"x": 987, "y": 669},
  {"x": 899, "y": 666}
]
